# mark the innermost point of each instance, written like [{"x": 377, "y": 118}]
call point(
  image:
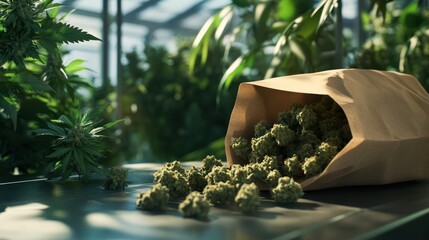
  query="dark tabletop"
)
[{"x": 41, "y": 209}]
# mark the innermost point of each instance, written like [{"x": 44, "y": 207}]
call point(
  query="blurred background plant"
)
[
  {"x": 285, "y": 37},
  {"x": 176, "y": 104},
  {"x": 173, "y": 93},
  {"x": 399, "y": 42}
]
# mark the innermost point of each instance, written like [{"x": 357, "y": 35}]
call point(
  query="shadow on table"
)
[{"x": 370, "y": 196}]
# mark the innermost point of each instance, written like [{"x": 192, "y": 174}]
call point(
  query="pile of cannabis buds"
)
[{"x": 299, "y": 145}]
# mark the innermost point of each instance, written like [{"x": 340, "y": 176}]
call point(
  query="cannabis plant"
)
[
  {"x": 30, "y": 34},
  {"x": 35, "y": 84},
  {"x": 77, "y": 145}
]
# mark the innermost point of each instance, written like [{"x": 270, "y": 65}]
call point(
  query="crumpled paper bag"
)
[{"x": 388, "y": 114}]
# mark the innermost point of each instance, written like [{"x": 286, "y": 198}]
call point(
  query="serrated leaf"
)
[
  {"x": 81, "y": 167},
  {"x": 111, "y": 124},
  {"x": 66, "y": 120},
  {"x": 93, "y": 152},
  {"x": 66, "y": 162},
  {"x": 60, "y": 131},
  {"x": 49, "y": 45},
  {"x": 59, "y": 152},
  {"x": 32, "y": 82},
  {"x": 46, "y": 132},
  {"x": 10, "y": 109},
  {"x": 65, "y": 33}
]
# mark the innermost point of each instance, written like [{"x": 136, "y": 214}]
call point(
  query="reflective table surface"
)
[{"x": 42, "y": 209}]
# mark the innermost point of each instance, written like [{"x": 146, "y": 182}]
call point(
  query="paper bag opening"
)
[{"x": 388, "y": 114}]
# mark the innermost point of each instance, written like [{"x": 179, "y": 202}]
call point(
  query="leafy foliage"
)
[
  {"x": 35, "y": 84},
  {"x": 276, "y": 38},
  {"x": 282, "y": 37},
  {"x": 171, "y": 107},
  {"x": 76, "y": 146},
  {"x": 398, "y": 42}
]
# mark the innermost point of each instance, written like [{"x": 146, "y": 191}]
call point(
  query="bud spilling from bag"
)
[{"x": 387, "y": 112}]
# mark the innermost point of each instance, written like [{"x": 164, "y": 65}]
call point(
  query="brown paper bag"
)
[{"x": 388, "y": 114}]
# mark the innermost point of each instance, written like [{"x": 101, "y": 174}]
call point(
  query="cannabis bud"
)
[
  {"x": 218, "y": 174},
  {"x": 273, "y": 177},
  {"x": 256, "y": 172},
  {"x": 209, "y": 162},
  {"x": 196, "y": 180},
  {"x": 195, "y": 205},
  {"x": 241, "y": 147},
  {"x": 154, "y": 199},
  {"x": 116, "y": 178},
  {"x": 261, "y": 128},
  {"x": 305, "y": 138},
  {"x": 238, "y": 175},
  {"x": 171, "y": 166},
  {"x": 292, "y": 167},
  {"x": 174, "y": 181},
  {"x": 264, "y": 145},
  {"x": 283, "y": 134},
  {"x": 248, "y": 198},
  {"x": 307, "y": 118},
  {"x": 222, "y": 193},
  {"x": 287, "y": 190}
]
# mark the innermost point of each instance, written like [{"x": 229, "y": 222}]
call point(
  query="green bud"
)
[
  {"x": 248, "y": 198},
  {"x": 238, "y": 175},
  {"x": 304, "y": 150},
  {"x": 221, "y": 193},
  {"x": 307, "y": 118},
  {"x": 286, "y": 191},
  {"x": 309, "y": 137},
  {"x": 154, "y": 199},
  {"x": 256, "y": 172},
  {"x": 270, "y": 163},
  {"x": 261, "y": 128},
  {"x": 116, "y": 178},
  {"x": 273, "y": 177},
  {"x": 209, "y": 162},
  {"x": 282, "y": 134},
  {"x": 293, "y": 167},
  {"x": 196, "y": 180},
  {"x": 195, "y": 205},
  {"x": 170, "y": 166},
  {"x": 312, "y": 166},
  {"x": 264, "y": 145},
  {"x": 218, "y": 174},
  {"x": 175, "y": 182},
  {"x": 289, "y": 117},
  {"x": 326, "y": 152},
  {"x": 241, "y": 147}
]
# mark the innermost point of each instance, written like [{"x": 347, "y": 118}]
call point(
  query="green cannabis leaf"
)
[
  {"x": 77, "y": 145},
  {"x": 59, "y": 32}
]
